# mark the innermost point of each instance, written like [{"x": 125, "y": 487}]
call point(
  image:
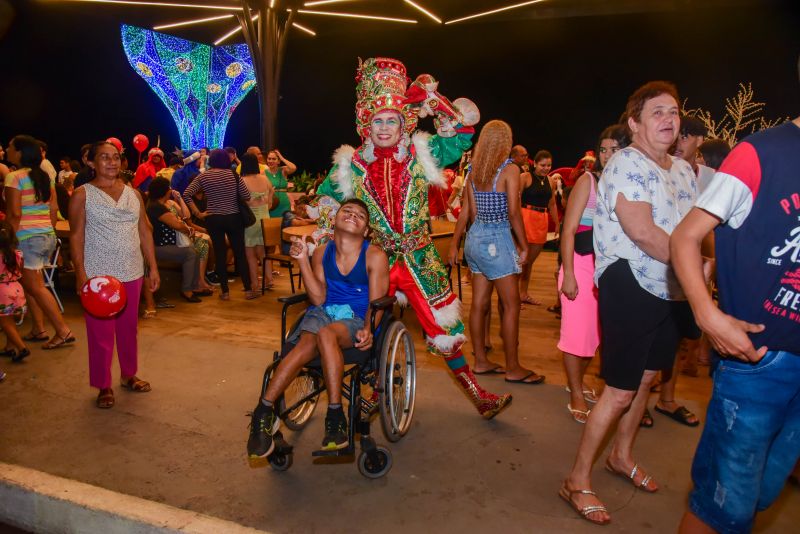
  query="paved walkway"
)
[{"x": 184, "y": 444}]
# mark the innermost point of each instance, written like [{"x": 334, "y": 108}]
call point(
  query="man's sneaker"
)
[
  {"x": 263, "y": 426},
  {"x": 335, "y": 431}
]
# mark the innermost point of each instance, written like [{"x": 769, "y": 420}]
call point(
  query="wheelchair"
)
[{"x": 388, "y": 368}]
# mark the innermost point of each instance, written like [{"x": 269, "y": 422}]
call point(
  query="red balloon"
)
[
  {"x": 140, "y": 142},
  {"x": 103, "y": 296},
  {"x": 116, "y": 142}
]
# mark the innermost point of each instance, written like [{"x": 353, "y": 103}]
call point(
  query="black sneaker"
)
[
  {"x": 263, "y": 426},
  {"x": 212, "y": 278},
  {"x": 335, "y": 431}
]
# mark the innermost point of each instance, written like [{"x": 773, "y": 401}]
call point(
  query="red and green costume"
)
[{"x": 394, "y": 182}]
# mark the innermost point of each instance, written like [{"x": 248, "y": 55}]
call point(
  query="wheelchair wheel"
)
[
  {"x": 398, "y": 379},
  {"x": 280, "y": 461},
  {"x": 299, "y": 388},
  {"x": 375, "y": 463}
]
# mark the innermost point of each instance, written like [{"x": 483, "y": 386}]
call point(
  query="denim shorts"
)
[
  {"x": 750, "y": 443},
  {"x": 316, "y": 318},
  {"x": 490, "y": 250},
  {"x": 37, "y": 250}
]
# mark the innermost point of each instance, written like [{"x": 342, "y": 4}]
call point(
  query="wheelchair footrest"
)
[
  {"x": 347, "y": 451},
  {"x": 281, "y": 446}
]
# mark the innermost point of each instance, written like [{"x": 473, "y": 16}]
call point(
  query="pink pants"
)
[{"x": 100, "y": 335}]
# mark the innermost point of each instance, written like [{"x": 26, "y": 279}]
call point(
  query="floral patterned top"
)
[
  {"x": 670, "y": 193},
  {"x": 12, "y": 298}
]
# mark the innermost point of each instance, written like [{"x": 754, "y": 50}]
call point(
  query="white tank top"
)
[{"x": 111, "y": 245}]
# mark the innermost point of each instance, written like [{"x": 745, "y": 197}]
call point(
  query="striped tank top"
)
[{"x": 35, "y": 218}]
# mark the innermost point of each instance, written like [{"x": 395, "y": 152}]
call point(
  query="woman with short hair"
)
[{"x": 643, "y": 194}]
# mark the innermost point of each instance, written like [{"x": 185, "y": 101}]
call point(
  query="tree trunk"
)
[{"x": 267, "y": 43}]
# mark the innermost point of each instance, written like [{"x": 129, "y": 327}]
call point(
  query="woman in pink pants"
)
[{"x": 110, "y": 235}]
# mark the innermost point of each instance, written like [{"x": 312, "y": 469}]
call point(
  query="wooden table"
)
[{"x": 298, "y": 231}]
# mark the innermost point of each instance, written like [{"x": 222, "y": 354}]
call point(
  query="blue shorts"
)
[
  {"x": 751, "y": 441},
  {"x": 316, "y": 318},
  {"x": 490, "y": 251},
  {"x": 37, "y": 250}
]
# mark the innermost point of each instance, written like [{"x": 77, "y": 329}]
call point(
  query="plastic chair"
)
[{"x": 50, "y": 272}]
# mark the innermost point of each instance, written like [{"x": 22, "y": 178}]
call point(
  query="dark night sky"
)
[{"x": 557, "y": 81}]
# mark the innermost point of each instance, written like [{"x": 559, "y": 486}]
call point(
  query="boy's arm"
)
[
  {"x": 378, "y": 272},
  {"x": 311, "y": 269}
]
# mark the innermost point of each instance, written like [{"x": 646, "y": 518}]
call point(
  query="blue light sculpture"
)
[{"x": 201, "y": 85}]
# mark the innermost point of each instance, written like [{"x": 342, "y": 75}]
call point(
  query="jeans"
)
[
  {"x": 187, "y": 257},
  {"x": 231, "y": 225},
  {"x": 490, "y": 251},
  {"x": 750, "y": 443}
]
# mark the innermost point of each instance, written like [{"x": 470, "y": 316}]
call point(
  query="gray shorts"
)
[{"x": 316, "y": 318}]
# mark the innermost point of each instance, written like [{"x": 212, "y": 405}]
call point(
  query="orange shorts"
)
[{"x": 535, "y": 225}]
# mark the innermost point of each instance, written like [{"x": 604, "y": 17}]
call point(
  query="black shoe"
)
[
  {"x": 21, "y": 355},
  {"x": 191, "y": 298},
  {"x": 212, "y": 278},
  {"x": 335, "y": 431},
  {"x": 263, "y": 426}
]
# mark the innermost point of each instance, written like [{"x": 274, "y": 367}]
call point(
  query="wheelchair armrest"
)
[
  {"x": 383, "y": 303},
  {"x": 293, "y": 299}
]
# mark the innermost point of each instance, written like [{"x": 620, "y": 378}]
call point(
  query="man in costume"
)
[{"x": 391, "y": 172}]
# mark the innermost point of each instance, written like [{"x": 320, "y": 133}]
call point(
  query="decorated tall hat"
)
[{"x": 382, "y": 84}]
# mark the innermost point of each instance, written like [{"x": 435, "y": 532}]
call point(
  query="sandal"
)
[
  {"x": 57, "y": 341},
  {"x": 17, "y": 357},
  {"x": 38, "y": 336},
  {"x": 681, "y": 415},
  {"x": 538, "y": 379},
  {"x": 642, "y": 485},
  {"x": 225, "y": 296},
  {"x": 105, "y": 399},
  {"x": 250, "y": 295},
  {"x": 497, "y": 369},
  {"x": 566, "y": 494},
  {"x": 647, "y": 419},
  {"x": 589, "y": 394},
  {"x": 136, "y": 384},
  {"x": 149, "y": 314},
  {"x": 530, "y": 300},
  {"x": 555, "y": 308},
  {"x": 580, "y": 416}
]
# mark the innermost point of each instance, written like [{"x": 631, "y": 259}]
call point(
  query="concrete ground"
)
[{"x": 183, "y": 444}]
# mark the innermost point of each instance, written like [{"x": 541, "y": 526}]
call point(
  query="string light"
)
[
  {"x": 323, "y": 2},
  {"x": 420, "y": 8},
  {"x": 157, "y": 4},
  {"x": 493, "y": 11},
  {"x": 303, "y": 28},
  {"x": 189, "y": 22},
  {"x": 199, "y": 84},
  {"x": 354, "y": 16},
  {"x": 232, "y": 32}
]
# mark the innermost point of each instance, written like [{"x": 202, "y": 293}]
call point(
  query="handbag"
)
[
  {"x": 584, "y": 243},
  {"x": 248, "y": 217}
]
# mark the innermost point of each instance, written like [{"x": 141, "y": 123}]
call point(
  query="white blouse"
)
[
  {"x": 671, "y": 194},
  {"x": 111, "y": 243}
]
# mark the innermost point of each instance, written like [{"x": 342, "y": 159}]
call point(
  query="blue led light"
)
[{"x": 201, "y": 85}]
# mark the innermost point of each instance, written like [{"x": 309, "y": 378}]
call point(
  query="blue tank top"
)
[
  {"x": 351, "y": 289},
  {"x": 491, "y": 206}
]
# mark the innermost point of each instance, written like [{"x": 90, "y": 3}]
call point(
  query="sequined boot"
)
[{"x": 488, "y": 404}]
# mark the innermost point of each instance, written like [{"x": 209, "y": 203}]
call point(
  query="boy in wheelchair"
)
[{"x": 338, "y": 319}]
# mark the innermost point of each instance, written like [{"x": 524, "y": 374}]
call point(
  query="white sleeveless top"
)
[{"x": 111, "y": 245}]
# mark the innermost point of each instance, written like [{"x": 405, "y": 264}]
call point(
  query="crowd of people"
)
[{"x": 637, "y": 278}]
